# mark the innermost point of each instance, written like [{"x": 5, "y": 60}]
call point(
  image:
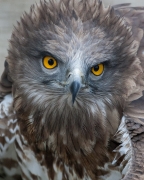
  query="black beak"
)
[{"x": 74, "y": 88}]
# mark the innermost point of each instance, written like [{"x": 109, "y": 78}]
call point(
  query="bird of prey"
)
[{"x": 72, "y": 104}]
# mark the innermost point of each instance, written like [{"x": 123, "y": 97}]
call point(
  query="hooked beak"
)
[
  {"x": 74, "y": 88},
  {"x": 75, "y": 82}
]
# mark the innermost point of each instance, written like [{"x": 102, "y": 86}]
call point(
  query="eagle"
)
[{"x": 71, "y": 93}]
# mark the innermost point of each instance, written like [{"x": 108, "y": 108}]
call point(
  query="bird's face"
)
[{"x": 70, "y": 76}]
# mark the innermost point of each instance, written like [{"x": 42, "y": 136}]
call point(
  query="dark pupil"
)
[
  {"x": 96, "y": 68},
  {"x": 51, "y": 62}
]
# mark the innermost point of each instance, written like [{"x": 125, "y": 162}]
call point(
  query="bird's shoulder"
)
[
  {"x": 17, "y": 157},
  {"x": 134, "y": 110}
]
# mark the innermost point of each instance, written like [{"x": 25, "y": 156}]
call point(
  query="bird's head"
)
[{"x": 70, "y": 63}]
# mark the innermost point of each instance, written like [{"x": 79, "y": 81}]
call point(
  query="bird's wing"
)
[
  {"x": 134, "y": 111},
  {"x": 8, "y": 130},
  {"x": 18, "y": 159}
]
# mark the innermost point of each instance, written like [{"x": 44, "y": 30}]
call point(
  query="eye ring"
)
[
  {"x": 49, "y": 62},
  {"x": 98, "y": 69}
]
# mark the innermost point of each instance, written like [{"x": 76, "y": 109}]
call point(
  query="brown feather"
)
[{"x": 76, "y": 141}]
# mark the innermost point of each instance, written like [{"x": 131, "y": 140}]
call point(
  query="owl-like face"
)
[{"x": 69, "y": 67}]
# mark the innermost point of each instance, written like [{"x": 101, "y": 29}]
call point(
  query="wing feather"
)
[
  {"x": 9, "y": 167},
  {"x": 134, "y": 111}
]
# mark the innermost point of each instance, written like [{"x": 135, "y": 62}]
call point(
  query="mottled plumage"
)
[{"x": 67, "y": 122}]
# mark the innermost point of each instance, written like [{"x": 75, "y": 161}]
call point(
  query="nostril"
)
[{"x": 69, "y": 75}]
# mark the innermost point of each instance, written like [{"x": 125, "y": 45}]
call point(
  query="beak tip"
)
[{"x": 73, "y": 100}]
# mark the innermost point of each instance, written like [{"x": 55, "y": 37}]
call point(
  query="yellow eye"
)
[
  {"x": 98, "y": 69},
  {"x": 49, "y": 62}
]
